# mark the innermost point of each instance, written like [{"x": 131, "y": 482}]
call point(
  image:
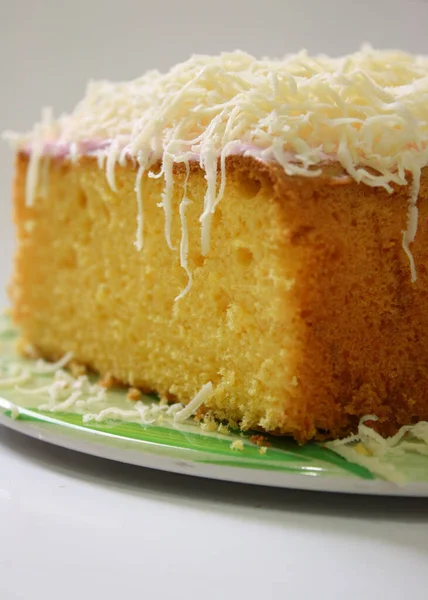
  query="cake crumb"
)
[
  {"x": 77, "y": 369},
  {"x": 222, "y": 428},
  {"x": 259, "y": 440},
  {"x": 200, "y": 414},
  {"x": 208, "y": 423},
  {"x": 294, "y": 381},
  {"x": 133, "y": 394},
  {"x": 263, "y": 449},
  {"x": 107, "y": 381},
  {"x": 237, "y": 445}
]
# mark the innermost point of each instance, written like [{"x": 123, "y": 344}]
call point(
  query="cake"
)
[{"x": 246, "y": 233}]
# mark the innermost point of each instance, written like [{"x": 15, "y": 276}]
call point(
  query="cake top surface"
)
[{"x": 367, "y": 110}]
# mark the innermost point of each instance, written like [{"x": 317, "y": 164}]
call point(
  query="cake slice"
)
[{"x": 258, "y": 226}]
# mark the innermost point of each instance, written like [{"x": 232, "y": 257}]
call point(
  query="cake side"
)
[
  {"x": 302, "y": 316},
  {"x": 80, "y": 285},
  {"x": 364, "y": 322}
]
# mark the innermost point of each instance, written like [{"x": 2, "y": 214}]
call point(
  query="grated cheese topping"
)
[
  {"x": 374, "y": 452},
  {"x": 11, "y": 375},
  {"x": 64, "y": 392},
  {"x": 204, "y": 395},
  {"x": 367, "y": 110}
]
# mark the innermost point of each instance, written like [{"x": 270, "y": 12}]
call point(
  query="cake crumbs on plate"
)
[
  {"x": 107, "y": 381},
  {"x": 237, "y": 445},
  {"x": 223, "y": 428},
  {"x": 263, "y": 449},
  {"x": 200, "y": 414},
  {"x": 259, "y": 440},
  {"x": 133, "y": 394},
  {"x": 208, "y": 423}
]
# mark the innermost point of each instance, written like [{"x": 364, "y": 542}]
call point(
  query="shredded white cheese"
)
[
  {"x": 369, "y": 449},
  {"x": 145, "y": 414},
  {"x": 13, "y": 375},
  {"x": 43, "y": 367},
  {"x": 184, "y": 244},
  {"x": 140, "y": 216},
  {"x": 367, "y": 110},
  {"x": 66, "y": 393},
  {"x": 204, "y": 395}
]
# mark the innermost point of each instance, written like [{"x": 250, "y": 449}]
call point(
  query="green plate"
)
[{"x": 112, "y": 428}]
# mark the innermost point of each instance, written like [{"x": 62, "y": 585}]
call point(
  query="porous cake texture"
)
[{"x": 258, "y": 225}]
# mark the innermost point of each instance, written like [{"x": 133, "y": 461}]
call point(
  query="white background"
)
[{"x": 84, "y": 528}]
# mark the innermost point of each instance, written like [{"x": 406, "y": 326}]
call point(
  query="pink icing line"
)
[
  {"x": 90, "y": 147},
  {"x": 62, "y": 149}
]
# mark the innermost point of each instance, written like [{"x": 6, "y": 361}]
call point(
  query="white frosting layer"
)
[{"x": 369, "y": 110}]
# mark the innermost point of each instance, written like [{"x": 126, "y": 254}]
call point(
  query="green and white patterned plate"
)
[{"x": 182, "y": 447}]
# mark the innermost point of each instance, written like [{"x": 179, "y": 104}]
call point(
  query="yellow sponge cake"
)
[{"x": 256, "y": 225}]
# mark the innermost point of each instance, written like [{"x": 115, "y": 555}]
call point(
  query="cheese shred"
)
[
  {"x": 204, "y": 395},
  {"x": 376, "y": 453}
]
